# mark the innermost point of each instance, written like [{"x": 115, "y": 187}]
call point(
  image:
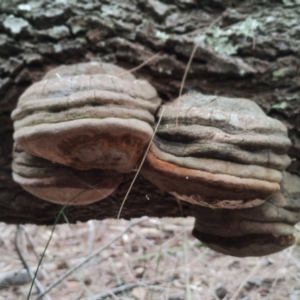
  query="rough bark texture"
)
[{"x": 252, "y": 51}]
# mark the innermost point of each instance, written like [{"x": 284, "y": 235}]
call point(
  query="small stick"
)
[
  {"x": 30, "y": 241},
  {"x": 140, "y": 66},
  {"x": 189, "y": 65},
  {"x": 117, "y": 290},
  {"x": 26, "y": 266},
  {"x": 125, "y": 287}
]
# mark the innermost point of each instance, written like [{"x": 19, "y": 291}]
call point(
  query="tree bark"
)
[{"x": 246, "y": 49}]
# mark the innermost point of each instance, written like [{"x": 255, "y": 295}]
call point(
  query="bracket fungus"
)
[
  {"x": 255, "y": 231},
  {"x": 89, "y": 115},
  {"x": 83, "y": 125},
  {"x": 217, "y": 152},
  {"x": 61, "y": 184}
]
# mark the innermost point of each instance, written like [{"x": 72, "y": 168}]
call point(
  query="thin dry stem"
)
[
  {"x": 38, "y": 285},
  {"x": 253, "y": 271},
  {"x": 140, "y": 66},
  {"x": 141, "y": 164},
  {"x": 117, "y": 290},
  {"x": 189, "y": 65}
]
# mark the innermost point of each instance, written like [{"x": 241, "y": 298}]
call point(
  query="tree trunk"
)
[{"x": 246, "y": 49}]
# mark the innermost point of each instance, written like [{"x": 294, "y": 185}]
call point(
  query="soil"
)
[{"x": 155, "y": 259}]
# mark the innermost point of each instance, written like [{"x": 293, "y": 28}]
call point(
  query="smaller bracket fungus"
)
[
  {"x": 60, "y": 184},
  {"x": 255, "y": 231},
  {"x": 89, "y": 115},
  {"x": 218, "y": 152}
]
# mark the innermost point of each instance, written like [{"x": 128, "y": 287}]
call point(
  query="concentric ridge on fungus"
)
[
  {"x": 61, "y": 184},
  {"x": 89, "y": 115},
  {"x": 222, "y": 153},
  {"x": 255, "y": 231}
]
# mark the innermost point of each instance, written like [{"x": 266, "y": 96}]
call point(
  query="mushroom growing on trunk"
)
[
  {"x": 89, "y": 115},
  {"x": 217, "y": 152},
  {"x": 61, "y": 184}
]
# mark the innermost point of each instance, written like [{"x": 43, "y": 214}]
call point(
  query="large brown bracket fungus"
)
[
  {"x": 218, "y": 152},
  {"x": 78, "y": 128},
  {"x": 255, "y": 231},
  {"x": 90, "y": 115}
]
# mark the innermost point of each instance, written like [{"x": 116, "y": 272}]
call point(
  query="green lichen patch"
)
[
  {"x": 162, "y": 35},
  {"x": 221, "y": 39}
]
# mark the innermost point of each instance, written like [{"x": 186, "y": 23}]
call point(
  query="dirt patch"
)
[{"x": 154, "y": 259}]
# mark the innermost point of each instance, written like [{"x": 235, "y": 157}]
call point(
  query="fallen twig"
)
[
  {"x": 26, "y": 266},
  {"x": 30, "y": 241},
  {"x": 117, "y": 290},
  {"x": 33, "y": 247},
  {"x": 129, "y": 286}
]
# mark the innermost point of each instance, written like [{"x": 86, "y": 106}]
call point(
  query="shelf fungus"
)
[
  {"x": 217, "y": 152},
  {"x": 61, "y": 184},
  {"x": 89, "y": 115},
  {"x": 255, "y": 231}
]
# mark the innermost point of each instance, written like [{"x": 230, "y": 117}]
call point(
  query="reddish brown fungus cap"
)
[
  {"x": 218, "y": 152},
  {"x": 86, "y": 116},
  {"x": 60, "y": 184}
]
